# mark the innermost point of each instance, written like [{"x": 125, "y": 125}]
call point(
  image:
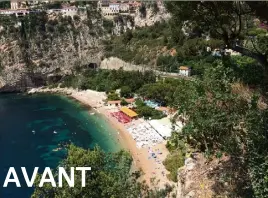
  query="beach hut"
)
[
  {"x": 114, "y": 102},
  {"x": 130, "y": 100}
]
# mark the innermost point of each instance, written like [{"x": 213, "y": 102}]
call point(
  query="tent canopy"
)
[{"x": 129, "y": 112}]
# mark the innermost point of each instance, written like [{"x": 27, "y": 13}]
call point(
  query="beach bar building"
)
[
  {"x": 128, "y": 112},
  {"x": 125, "y": 115}
]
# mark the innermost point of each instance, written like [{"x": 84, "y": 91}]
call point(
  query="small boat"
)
[
  {"x": 92, "y": 113},
  {"x": 56, "y": 149},
  {"x": 55, "y": 132}
]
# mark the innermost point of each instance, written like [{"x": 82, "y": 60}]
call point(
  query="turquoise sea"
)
[{"x": 32, "y": 127}]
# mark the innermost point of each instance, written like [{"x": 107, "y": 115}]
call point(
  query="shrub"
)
[
  {"x": 113, "y": 96},
  {"x": 123, "y": 102},
  {"x": 126, "y": 92},
  {"x": 70, "y": 81},
  {"x": 148, "y": 112},
  {"x": 167, "y": 63},
  {"x": 172, "y": 163},
  {"x": 108, "y": 25},
  {"x": 77, "y": 18}
]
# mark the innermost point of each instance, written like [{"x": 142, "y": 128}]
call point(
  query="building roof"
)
[
  {"x": 130, "y": 100},
  {"x": 128, "y": 112},
  {"x": 184, "y": 68},
  {"x": 114, "y": 102},
  {"x": 163, "y": 109}
]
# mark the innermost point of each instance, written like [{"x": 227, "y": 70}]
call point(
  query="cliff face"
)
[
  {"x": 152, "y": 16},
  {"x": 40, "y": 48}
]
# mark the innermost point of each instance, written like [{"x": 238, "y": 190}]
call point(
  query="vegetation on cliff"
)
[{"x": 108, "y": 80}]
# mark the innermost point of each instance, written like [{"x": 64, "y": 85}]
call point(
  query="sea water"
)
[{"x": 32, "y": 128}]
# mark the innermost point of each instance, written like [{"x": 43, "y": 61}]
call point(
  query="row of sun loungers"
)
[
  {"x": 144, "y": 135},
  {"x": 121, "y": 117}
]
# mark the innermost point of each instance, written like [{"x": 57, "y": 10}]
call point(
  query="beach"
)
[{"x": 154, "y": 172}]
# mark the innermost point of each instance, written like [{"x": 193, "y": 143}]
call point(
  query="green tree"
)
[
  {"x": 5, "y": 5},
  {"x": 126, "y": 92},
  {"x": 123, "y": 102},
  {"x": 148, "y": 112},
  {"x": 161, "y": 91},
  {"x": 222, "y": 20},
  {"x": 113, "y": 96},
  {"x": 172, "y": 163},
  {"x": 108, "y": 25}
]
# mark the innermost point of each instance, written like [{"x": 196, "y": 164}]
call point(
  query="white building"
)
[
  {"x": 69, "y": 11},
  {"x": 124, "y": 8},
  {"x": 14, "y": 5},
  {"x": 18, "y": 12},
  {"x": 66, "y": 11},
  {"x": 114, "y": 7},
  {"x": 184, "y": 71},
  {"x": 109, "y": 8}
]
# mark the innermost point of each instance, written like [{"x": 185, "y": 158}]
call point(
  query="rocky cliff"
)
[
  {"x": 41, "y": 47},
  {"x": 152, "y": 15},
  {"x": 148, "y": 17}
]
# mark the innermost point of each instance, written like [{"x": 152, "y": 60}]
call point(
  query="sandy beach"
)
[{"x": 152, "y": 168}]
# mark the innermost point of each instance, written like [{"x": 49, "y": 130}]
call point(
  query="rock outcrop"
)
[
  {"x": 117, "y": 63},
  {"x": 151, "y": 17},
  {"x": 124, "y": 22}
]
